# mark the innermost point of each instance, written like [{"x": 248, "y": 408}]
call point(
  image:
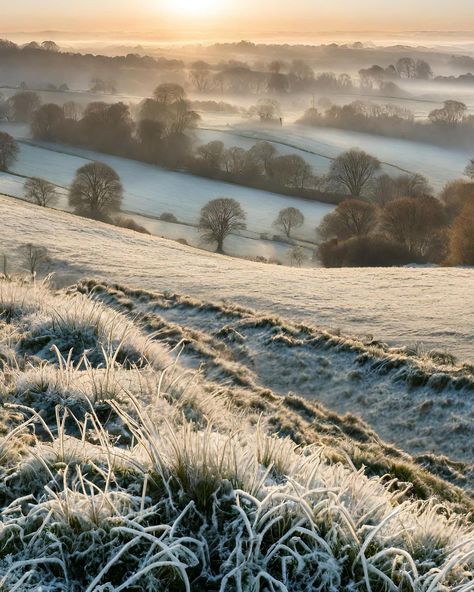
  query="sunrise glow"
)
[{"x": 195, "y": 8}]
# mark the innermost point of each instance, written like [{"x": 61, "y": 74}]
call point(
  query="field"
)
[
  {"x": 393, "y": 305},
  {"x": 319, "y": 145},
  {"x": 151, "y": 190},
  {"x": 177, "y": 420},
  {"x": 142, "y": 449}
]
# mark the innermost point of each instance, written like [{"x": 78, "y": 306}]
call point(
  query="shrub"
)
[
  {"x": 130, "y": 224},
  {"x": 168, "y": 217},
  {"x": 365, "y": 251}
]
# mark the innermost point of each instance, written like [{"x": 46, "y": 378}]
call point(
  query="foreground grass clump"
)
[{"x": 126, "y": 472}]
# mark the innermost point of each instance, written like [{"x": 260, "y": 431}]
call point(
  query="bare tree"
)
[
  {"x": 219, "y": 218},
  {"x": 47, "y": 121},
  {"x": 406, "y": 67},
  {"x": 96, "y": 191},
  {"x": 41, "y": 192},
  {"x": 288, "y": 219},
  {"x": 352, "y": 217},
  {"x": 8, "y": 151},
  {"x": 169, "y": 93},
  {"x": 452, "y": 113},
  {"x": 235, "y": 160},
  {"x": 34, "y": 258},
  {"x": 388, "y": 188},
  {"x": 296, "y": 256},
  {"x": 267, "y": 110},
  {"x": 415, "y": 223},
  {"x": 353, "y": 170},
  {"x": 211, "y": 154},
  {"x": 200, "y": 75},
  {"x": 183, "y": 117},
  {"x": 301, "y": 71},
  {"x": 23, "y": 105},
  {"x": 291, "y": 170},
  {"x": 263, "y": 153}
]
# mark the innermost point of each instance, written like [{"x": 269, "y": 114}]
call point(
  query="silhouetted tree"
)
[
  {"x": 168, "y": 93},
  {"x": 267, "y": 110},
  {"x": 23, "y": 105},
  {"x": 416, "y": 69},
  {"x": 211, "y": 155},
  {"x": 235, "y": 159},
  {"x": 8, "y": 151},
  {"x": 263, "y": 154},
  {"x": 34, "y": 258},
  {"x": 41, "y": 192},
  {"x": 296, "y": 256},
  {"x": 96, "y": 191},
  {"x": 289, "y": 219},
  {"x": 388, "y": 188},
  {"x": 290, "y": 170},
  {"x": 50, "y": 46},
  {"x": 417, "y": 224},
  {"x": 47, "y": 122},
  {"x": 352, "y": 170},
  {"x": 200, "y": 75},
  {"x": 352, "y": 217},
  {"x": 219, "y": 218},
  {"x": 107, "y": 127},
  {"x": 452, "y": 113},
  {"x": 150, "y": 136}
]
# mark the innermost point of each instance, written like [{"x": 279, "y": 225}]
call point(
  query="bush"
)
[
  {"x": 364, "y": 251},
  {"x": 130, "y": 224},
  {"x": 168, "y": 217}
]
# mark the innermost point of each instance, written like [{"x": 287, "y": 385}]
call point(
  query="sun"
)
[{"x": 194, "y": 8}]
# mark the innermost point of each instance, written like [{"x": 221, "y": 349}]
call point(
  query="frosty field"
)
[
  {"x": 319, "y": 145},
  {"x": 125, "y": 469},
  {"x": 403, "y": 306},
  {"x": 151, "y": 190}
]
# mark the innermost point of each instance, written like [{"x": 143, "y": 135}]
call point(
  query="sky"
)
[{"x": 240, "y": 18}]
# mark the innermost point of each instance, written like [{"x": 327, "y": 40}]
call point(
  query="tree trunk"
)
[{"x": 220, "y": 246}]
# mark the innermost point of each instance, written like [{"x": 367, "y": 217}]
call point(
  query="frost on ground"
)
[
  {"x": 402, "y": 306},
  {"x": 124, "y": 469},
  {"x": 152, "y": 190},
  {"x": 421, "y": 402}
]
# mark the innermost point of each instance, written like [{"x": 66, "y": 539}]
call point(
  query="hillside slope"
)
[
  {"x": 123, "y": 469},
  {"x": 401, "y": 306}
]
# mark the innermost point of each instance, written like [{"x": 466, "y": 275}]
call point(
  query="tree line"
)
[
  {"x": 450, "y": 124},
  {"x": 402, "y": 223},
  {"x": 158, "y": 132}
]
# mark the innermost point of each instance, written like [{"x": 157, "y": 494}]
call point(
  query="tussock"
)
[{"x": 129, "y": 471}]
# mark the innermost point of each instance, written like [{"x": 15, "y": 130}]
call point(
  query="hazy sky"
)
[{"x": 241, "y": 16}]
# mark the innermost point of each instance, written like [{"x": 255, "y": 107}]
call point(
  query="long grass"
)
[{"x": 127, "y": 473}]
